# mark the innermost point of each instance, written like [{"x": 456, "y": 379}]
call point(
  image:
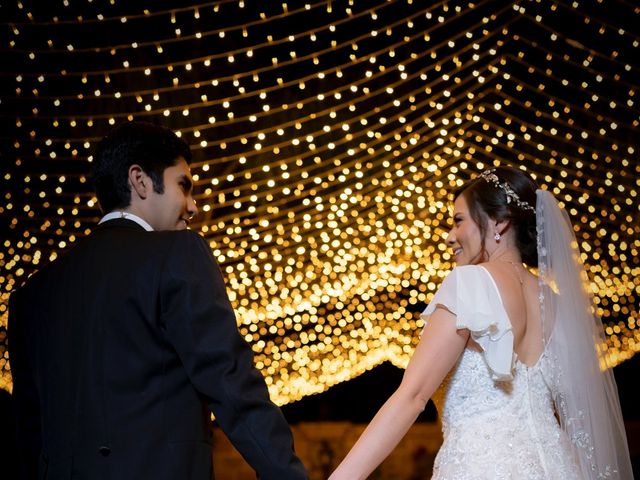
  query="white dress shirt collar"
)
[{"x": 128, "y": 216}]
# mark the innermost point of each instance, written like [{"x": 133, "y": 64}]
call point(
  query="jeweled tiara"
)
[{"x": 512, "y": 197}]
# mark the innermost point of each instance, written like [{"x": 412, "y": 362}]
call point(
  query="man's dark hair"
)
[{"x": 152, "y": 147}]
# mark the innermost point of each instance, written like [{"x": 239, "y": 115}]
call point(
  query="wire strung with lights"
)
[{"x": 326, "y": 138}]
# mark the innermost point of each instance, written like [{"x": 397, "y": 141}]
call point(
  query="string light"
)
[{"x": 326, "y": 140}]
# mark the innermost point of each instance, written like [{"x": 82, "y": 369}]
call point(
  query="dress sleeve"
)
[{"x": 470, "y": 293}]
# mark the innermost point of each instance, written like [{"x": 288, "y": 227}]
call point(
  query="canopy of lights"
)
[{"x": 327, "y": 139}]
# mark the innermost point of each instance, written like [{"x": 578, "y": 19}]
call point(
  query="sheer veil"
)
[{"x": 584, "y": 392}]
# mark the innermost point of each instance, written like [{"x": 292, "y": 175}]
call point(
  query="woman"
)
[{"x": 511, "y": 352}]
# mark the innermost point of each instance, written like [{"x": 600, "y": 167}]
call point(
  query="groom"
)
[{"x": 122, "y": 347}]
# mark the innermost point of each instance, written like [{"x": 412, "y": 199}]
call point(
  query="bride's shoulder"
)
[
  {"x": 469, "y": 275},
  {"x": 467, "y": 269},
  {"x": 494, "y": 264},
  {"x": 474, "y": 270}
]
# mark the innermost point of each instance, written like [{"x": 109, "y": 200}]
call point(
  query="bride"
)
[{"x": 509, "y": 358}]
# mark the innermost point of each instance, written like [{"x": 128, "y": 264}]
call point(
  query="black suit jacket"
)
[{"x": 120, "y": 350}]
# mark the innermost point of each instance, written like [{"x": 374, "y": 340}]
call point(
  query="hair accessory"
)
[{"x": 512, "y": 197}]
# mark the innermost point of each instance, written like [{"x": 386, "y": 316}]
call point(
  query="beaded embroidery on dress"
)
[{"x": 497, "y": 414}]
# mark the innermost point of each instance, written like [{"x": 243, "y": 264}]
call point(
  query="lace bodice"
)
[
  {"x": 497, "y": 414},
  {"x": 499, "y": 429}
]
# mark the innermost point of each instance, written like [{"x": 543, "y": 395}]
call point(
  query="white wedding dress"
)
[{"x": 497, "y": 414}]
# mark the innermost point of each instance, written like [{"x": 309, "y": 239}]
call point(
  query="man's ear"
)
[{"x": 139, "y": 182}]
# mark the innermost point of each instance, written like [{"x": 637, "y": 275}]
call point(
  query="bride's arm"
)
[{"x": 439, "y": 348}]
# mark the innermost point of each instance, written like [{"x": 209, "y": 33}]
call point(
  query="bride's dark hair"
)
[{"x": 486, "y": 200}]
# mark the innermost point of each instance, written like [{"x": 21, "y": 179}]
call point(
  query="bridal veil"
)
[{"x": 584, "y": 390}]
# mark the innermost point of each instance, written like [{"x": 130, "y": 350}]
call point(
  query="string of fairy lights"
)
[{"x": 327, "y": 137}]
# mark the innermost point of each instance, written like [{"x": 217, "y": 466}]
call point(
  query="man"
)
[{"x": 120, "y": 349}]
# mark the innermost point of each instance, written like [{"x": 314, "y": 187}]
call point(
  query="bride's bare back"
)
[{"x": 519, "y": 292}]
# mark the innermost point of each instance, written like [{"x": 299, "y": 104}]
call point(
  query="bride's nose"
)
[{"x": 450, "y": 239}]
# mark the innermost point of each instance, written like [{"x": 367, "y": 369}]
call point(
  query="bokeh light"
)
[{"x": 327, "y": 137}]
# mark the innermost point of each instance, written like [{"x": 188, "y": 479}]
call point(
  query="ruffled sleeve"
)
[{"x": 470, "y": 293}]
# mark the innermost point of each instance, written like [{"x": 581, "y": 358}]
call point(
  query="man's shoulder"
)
[
  {"x": 176, "y": 245},
  {"x": 187, "y": 242},
  {"x": 143, "y": 236},
  {"x": 31, "y": 283},
  {"x": 180, "y": 236},
  {"x": 133, "y": 242}
]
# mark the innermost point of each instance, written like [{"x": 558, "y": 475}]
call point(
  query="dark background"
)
[{"x": 359, "y": 399}]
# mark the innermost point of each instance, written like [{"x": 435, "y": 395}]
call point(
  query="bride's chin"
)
[{"x": 461, "y": 261}]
